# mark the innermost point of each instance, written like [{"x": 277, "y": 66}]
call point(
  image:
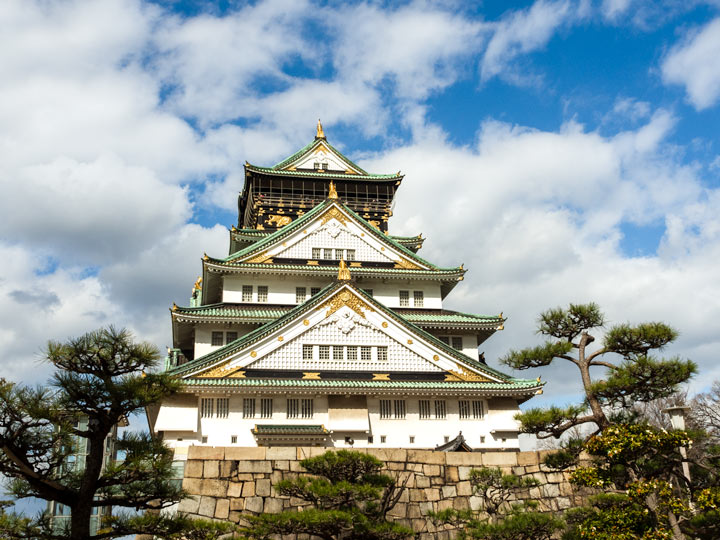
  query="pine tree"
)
[{"x": 101, "y": 377}]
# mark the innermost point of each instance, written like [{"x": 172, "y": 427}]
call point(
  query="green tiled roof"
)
[
  {"x": 329, "y": 175},
  {"x": 511, "y": 384},
  {"x": 276, "y": 429},
  {"x": 332, "y": 270},
  {"x": 452, "y": 317},
  {"x": 287, "y": 161}
]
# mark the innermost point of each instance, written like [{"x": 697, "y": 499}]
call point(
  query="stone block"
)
[
  {"x": 464, "y": 472},
  {"x": 432, "y": 494},
  {"x": 211, "y": 468},
  {"x": 464, "y": 489},
  {"x": 550, "y": 490},
  {"x": 427, "y": 457},
  {"x": 444, "y": 504},
  {"x": 529, "y": 469},
  {"x": 254, "y": 466},
  {"x": 190, "y": 505},
  {"x": 499, "y": 459},
  {"x": 451, "y": 474},
  {"x": 437, "y": 481},
  {"x": 296, "y": 467},
  {"x": 207, "y": 506},
  {"x": 413, "y": 511},
  {"x": 563, "y": 503},
  {"x": 418, "y": 495},
  {"x": 418, "y": 525},
  {"x": 399, "y": 510},
  {"x": 213, "y": 487},
  {"x": 222, "y": 509},
  {"x": 555, "y": 477},
  {"x": 294, "y": 501},
  {"x": 206, "y": 452},
  {"x": 273, "y": 506},
  {"x": 248, "y": 453},
  {"x": 281, "y": 452},
  {"x": 566, "y": 489},
  {"x": 395, "y": 466},
  {"x": 243, "y": 477},
  {"x": 276, "y": 476},
  {"x": 404, "y": 496},
  {"x": 518, "y": 471},
  {"x": 535, "y": 493},
  {"x": 234, "y": 517},
  {"x": 476, "y": 502},
  {"x": 192, "y": 485},
  {"x": 227, "y": 468},
  {"x": 422, "y": 481},
  {"x": 464, "y": 458},
  {"x": 237, "y": 505},
  {"x": 309, "y": 451},
  {"x": 431, "y": 470},
  {"x": 460, "y": 503},
  {"x": 234, "y": 489},
  {"x": 254, "y": 504},
  {"x": 415, "y": 467},
  {"x": 388, "y": 454},
  {"x": 281, "y": 465},
  {"x": 527, "y": 458},
  {"x": 248, "y": 489},
  {"x": 193, "y": 469},
  {"x": 448, "y": 491},
  {"x": 262, "y": 487}
]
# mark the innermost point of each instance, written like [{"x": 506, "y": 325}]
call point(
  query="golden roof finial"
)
[
  {"x": 343, "y": 271},
  {"x": 320, "y": 134},
  {"x": 198, "y": 283},
  {"x": 332, "y": 192}
]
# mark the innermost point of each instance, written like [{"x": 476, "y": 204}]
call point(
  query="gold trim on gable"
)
[
  {"x": 259, "y": 258},
  {"x": 406, "y": 265},
  {"x": 221, "y": 372},
  {"x": 381, "y": 377},
  {"x": 465, "y": 375},
  {"x": 334, "y": 213},
  {"x": 311, "y": 376},
  {"x": 345, "y": 298}
]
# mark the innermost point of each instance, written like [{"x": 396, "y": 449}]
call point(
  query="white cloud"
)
[
  {"x": 695, "y": 64},
  {"x": 613, "y": 9}
]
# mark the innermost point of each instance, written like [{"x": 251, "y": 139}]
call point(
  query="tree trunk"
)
[{"x": 595, "y": 407}]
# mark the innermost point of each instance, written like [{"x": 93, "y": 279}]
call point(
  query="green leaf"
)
[
  {"x": 568, "y": 324},
  {"x": 630, "y": 340},
  {"x": 542, "y": 355}
]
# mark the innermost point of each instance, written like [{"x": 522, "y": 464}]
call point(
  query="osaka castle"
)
[{"x": 320, "y": 328}]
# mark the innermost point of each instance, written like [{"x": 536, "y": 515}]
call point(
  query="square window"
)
[
  {"x": 300, "y": 294},
  {"x": 233, "y": 439},
  {"x": 339, "y": 254},
  {"x": 222, "y": 407},
  {"x": 204, "y": 439},
  {"x": 307, "y": 408},
  {"x": 383, "y": 439},
  {"x": 366, "y": 354},
  {"x": 382, "y": 354},
  {"x": 316, "y": 253},
  {"x": 482, "y": 439},
  {"x": 399, "y": 408},
  {"x": 404, "y": 298},
  {"x": 217, "y": 339},
  {"x": 352, "y": 351},
  {"x": 327, "y": 253},
  {"x": 370, "y": 439},
  {"x": 424, "y": 406},
  {"x": 262, "y": 293},
  {"x": 247, "y": 292},
  {"x": 418, "y": 298},
  {"x": 440, "y": 409},
  {"x": 266, "y": 408},
  {"x": 464, "y": 409},
  {"x": 337, "y": 352},
  {"x": 457, "y": 343},
  {"x": 293, "y": 408},
  {"x": 307, "y": 352},
  {"x": 350, "y": 254},
  {"x": 385, "y": 411},
  {"x": 314, "y": 290},
  {"x": 249, "y": 408},
  {"x": 324, "y": 352},
  {"x": 412, "y": 439},
  {"x": 230, "y": 337},
  {"x": 446, "y": 438}
]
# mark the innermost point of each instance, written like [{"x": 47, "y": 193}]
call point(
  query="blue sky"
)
[{"x": 564, "y": 151}]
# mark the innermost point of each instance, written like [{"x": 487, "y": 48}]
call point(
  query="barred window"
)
[
  {"x": 316, "y": 253},
  {"x": 440, "y": 409},
  {"x": 366, "y": 354},
  {"x": 307, "y": 408},
  {"x": 293, "y": 407},
  {"x": 383, "y": 439},
  {"x": 404, "y": 298},
  {"x": 222, "y": 407},
  {"x": 338, "y": 254},
  {"x": 385, "y": 410},
  {"x": 399, "y": 408},
  {"x": 478, "y": 409},
  {"x": 314, "y": 290},
  {"x": 464, "y": 409},
  {"x": 266, "y": 408},
  {"x": 247, "y": 291},
  {"x": 352, "y": 352},
  {"x": 233, "y": 439},
  {"x": 424, "y": 406},
  {"x": 249, "y": 408},
  {"x": 217, "y": 339},
  {"x": 206, "y": 407},
  {"x": 327, "y": 253},
  {"x": 418, "y": 298},
  {"x": 262, "y": 293},
  {"x": 457, "y": 343},
  {"x": 230, "y": 337},
  {"x": 300, "y": 294},
  {"x": 337, "y": 352},
  {"x": 412, "y": 439},
  {"x": 307, "y": 352},
  {"x": 382, "y": 354},
  {"x": 350, "y": 255},
  {"x": 324, "y": 352}
]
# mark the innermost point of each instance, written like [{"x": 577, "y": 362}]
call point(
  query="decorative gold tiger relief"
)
[
  {"x": 334, "y": 213},
  {"x": 278, "y": 221},
  {"x": 223, "y": 371},
  {"x": 465, "y": 375},
  {"x": 374, "y": 223},
  {"x": 345, "y": 298}
]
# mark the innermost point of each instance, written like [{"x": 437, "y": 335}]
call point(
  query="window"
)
[
  {"x": 249, "y": 408},
  {"x": 399, "y": 408},
  {"x": 370, "y": 439},
  {"x": 404, "y": 298},
  {"x": 324, "y": 352},
  {"x": 233, "y": 439},
  {"x": 206, "y": 407},
  {"x": 300, "y": 294},
  {"x": 440, "y": 409},
  {"x": 382, "y": 354},
  {"x": 262, "y": 293},
  {"x": 339, "y": 254},
  {"x": 446, "y": 438},
  {"x": 366, "y": 354},
  {"x": 266, "y": 408},
  {"x": 385, "y": 411},
  {"x": 307, "y": 352},
  {"x": 464, "y": 409},
  {"x": 230, "y": 337},
  {"x": 307, "y": 408},
  {"x": 292, "y": 408},
  {"x": 316, "y": 253},
  {"x": 418, "y": 298},
  {"x": 383, "y": 439},
  {"x": 314, "y": 290},
  {"x": 247, "y": 291},
  {"x": 349, "y": 254},
  {"x": 222, "y": 407},
  {"x": 478, "y": 409},
  {"x": 217, "y": 339},
  {"x": 352, "y": 352},
  {"x": 204, "y": 439},
  {"x": 337, "y": 352},
  {"x": 457, "y": 343},
  {"x": 424, "y": 406},
  {"x": 482, "y": 439},
  {"x": 412, "y": 439},
  {"x": 327, "y": 253}
]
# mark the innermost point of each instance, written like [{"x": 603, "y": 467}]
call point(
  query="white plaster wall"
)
[
  {"x": 470, "y": 343},
  {"x": 203, "y": 335},
  {"x": 333, "y": 235}
]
